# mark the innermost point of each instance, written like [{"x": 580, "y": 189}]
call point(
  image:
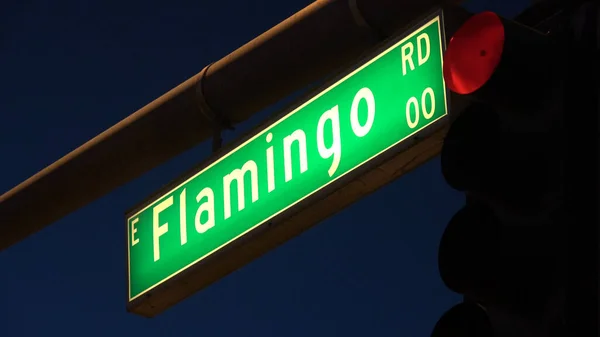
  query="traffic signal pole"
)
[{"x": 300, "y": 50}]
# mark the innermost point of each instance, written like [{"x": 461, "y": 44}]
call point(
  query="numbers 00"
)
[{"x": 413, "y": 104}]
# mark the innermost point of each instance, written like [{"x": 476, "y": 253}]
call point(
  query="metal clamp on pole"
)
[{"x": 218, "y": 120}]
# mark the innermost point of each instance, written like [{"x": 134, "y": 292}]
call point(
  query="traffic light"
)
[{"x": 502, "y": 251}]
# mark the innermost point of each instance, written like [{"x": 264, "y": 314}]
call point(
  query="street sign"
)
[{"x": 378, "y": 108}]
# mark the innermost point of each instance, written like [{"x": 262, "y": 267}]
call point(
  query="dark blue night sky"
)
[{"x": 71, "y": 69}]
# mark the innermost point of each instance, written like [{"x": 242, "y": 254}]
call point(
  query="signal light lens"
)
[
  {"x": 473, "y": 53},
  {"x": 464, "y": 319}
]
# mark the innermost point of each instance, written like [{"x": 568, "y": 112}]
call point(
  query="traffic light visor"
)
[{"x": 473, "y": 53}]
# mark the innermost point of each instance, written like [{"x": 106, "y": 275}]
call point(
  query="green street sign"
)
[{"x": 385, "y": 100}]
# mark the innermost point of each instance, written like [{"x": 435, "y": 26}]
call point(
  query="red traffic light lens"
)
[{"x": 474, "y": 53}]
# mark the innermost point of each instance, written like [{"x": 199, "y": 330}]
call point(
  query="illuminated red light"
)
[{"x": 474, "y": 53}]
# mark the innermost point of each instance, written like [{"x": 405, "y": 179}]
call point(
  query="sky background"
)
[{"x": 71, "y": 69}]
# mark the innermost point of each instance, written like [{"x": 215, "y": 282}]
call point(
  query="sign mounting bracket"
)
[{"x": 218, "y": 120}]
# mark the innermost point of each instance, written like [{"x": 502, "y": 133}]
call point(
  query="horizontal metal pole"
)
[{"x": 300, "y": 50}]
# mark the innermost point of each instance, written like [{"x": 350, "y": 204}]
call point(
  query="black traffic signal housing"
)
[{"x": 503, "y": 250}]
